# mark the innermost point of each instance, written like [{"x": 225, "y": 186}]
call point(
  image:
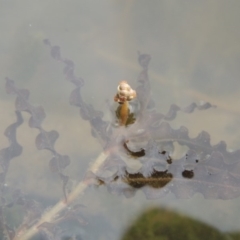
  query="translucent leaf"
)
[
  {"x": 38, "y": 115},
  {"x": 21, "y": 103},
  {"x": 58, "y": 163},
  {"x": 75, "y": 98},
  {"x": 144, "y": 60},
  {"x": 55, "y": 52},
  {"x": 46, "y": 140},
  {"x": 172, "y": 112},
  {"x": 151, "y": 141},
  {"x": 13, "y": 150},
  {"x": 65, "y": 180},
  {"x": 10, "y": 88}
]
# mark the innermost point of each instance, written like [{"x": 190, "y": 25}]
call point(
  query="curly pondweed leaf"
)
[
  {"x": 87, "y": 112},
  {"x": 201, "y": 143},
  {"x": 59, "y": 162},
  {"x": 139, "y": 156},
  {"x": 21, "y": 101},
  {"x": 75, "y": 98},
  {"x": 65, "y": 180},
  {"x": 10, "y": 131},
  {"x": 69, "y": 65},
  {"x": 69, "y": 73},
  {"x": 46, "y": 140},
  {"x": 172, "y": 113},
  {"x": 37, "y": 117},
  {"x": 210, "y": 170},
  {"x": 143, "y": 60},
  {"x": 211, "y": 186},
  {"x": 13, "y": 150},
  {"x": 22, "y": 104},
  {"x": 150, "y": 140}
]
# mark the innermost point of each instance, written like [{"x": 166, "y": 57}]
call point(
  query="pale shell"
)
[{"x": 124, "y": 92}]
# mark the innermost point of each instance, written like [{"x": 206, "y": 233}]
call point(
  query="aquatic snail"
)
[{"x": 124, "y": 94}]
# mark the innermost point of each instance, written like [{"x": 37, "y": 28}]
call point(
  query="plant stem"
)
[
  {"x": 62, "y": 204},
  {"x": 49, "y": 216}
]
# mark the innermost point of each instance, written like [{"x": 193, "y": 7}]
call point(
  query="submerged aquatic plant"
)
[{"x": 138, "y": 148}]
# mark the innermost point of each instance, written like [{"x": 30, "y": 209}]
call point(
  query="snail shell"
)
[{"x": 124, "y": 92}]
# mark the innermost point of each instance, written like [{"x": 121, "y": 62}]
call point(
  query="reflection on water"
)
[{"x": 195, "y": 56}]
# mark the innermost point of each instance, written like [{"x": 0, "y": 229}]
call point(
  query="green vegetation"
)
[{"x": 162, "y": 224}]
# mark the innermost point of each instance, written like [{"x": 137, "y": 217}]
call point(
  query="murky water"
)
[{"x": 195, "y": 53}]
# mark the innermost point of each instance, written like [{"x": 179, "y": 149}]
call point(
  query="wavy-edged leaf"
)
[
  {"x": 37, "y": 117},
  {"x": 59, "y": 163},
  {"x": 13, "y": 150},
  {"x": 46, "y": 140}
]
